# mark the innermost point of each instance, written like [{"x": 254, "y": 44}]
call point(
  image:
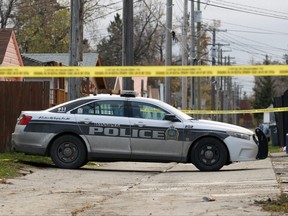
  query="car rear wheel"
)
[
  {"x": 68, "y": 152},
  {"x": 209, "y": 154}
]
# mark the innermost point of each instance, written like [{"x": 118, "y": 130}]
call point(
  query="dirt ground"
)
[
  {"x": 280, "y": 166},
  {"x": 124, "y": 188}
]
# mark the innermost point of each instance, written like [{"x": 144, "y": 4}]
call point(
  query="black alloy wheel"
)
[
  {"x": 209, "y": 154},
  {"x": 68, "y": 152}
]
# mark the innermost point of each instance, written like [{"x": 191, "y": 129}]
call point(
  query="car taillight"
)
[{"x": 24, "y": 120}]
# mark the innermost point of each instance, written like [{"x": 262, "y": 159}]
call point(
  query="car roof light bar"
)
[{"x": 128, "y": 93}]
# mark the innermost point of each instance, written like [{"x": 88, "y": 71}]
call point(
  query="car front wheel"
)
[
  {"x": 68, "y": 152},
  {"x": 209, "y": 154}
]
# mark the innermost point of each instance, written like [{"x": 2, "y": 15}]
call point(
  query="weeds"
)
[
  {"x": 12, "y": 164},
  {"x": 279, "y": 204}
]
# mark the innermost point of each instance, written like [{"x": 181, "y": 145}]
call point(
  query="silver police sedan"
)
[{"x": 129, "y": 128}]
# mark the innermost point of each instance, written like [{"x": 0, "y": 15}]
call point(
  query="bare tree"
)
[
  {"x": 6, "y": 11},
  {"x": 148, "y": 30},
  {"x": 149, "y": 35}
]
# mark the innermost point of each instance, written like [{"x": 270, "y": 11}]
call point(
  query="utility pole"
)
[
  {"x": 198, "y": 53},
  {"x": 192, "y": 46},
  {"x": 223, "y": 85},
  {"x": 184, "y": 54},
  {"x": 75, "y": 46},
  {"x": 127, "y": 42},
  {"x": 168, "y": 57},
  {"x": 213, "y": 64},
  {"x": 229, "y": 97},
  {"x": 215, "y": 82}
]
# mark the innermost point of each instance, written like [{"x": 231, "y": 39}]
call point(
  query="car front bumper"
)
[{"x": 262, "y": 144}]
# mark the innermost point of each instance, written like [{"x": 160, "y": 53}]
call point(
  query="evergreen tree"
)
[
  {"x": 110, "y": 48},
  {"x": 264, "y": 91}
]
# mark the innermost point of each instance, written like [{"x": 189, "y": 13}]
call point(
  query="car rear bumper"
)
[
  {"x": 28, "y": 150},
  {"x": 35, "y": 143}
]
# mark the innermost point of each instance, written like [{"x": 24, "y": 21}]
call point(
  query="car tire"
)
[
  {"x": 209, "y": 154},
  {"x": 68, "y": 152}
]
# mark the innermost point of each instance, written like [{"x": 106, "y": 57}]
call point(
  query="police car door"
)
[
  {"x": 152, "y": 138},
  {"x": 106, "y": 128}
]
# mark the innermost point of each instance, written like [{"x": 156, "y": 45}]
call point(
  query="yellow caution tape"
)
[
  {"x": 148, "y": 71},
  {"x": 211, "y": 112}
]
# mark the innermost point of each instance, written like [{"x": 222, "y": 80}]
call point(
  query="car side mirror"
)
[{"x": 171, "y": 117}]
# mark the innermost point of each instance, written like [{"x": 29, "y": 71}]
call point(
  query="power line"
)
[
  {"x": 247, "y": 11},
  {"x": 249, "y": 7},
  {"x": 180, "y": 5},
  {"x": 259, "y": 52},
  {"x": 105, "y": 15},
  {"x": 252, "y": 32},
  {"x": 264, "y": 45},
  {"x": 243, "y": 46},
  {"x": 254, "y": 28}
]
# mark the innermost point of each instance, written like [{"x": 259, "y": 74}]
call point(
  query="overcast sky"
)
[
  {"x": 252, "y": 28},
  {"x": 255, "y": 28}
]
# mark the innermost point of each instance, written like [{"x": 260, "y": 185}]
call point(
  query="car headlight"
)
[{"x": 239, "y": 135}]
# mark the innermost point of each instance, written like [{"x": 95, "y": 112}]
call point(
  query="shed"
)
[{"x": 9, "y": 52}]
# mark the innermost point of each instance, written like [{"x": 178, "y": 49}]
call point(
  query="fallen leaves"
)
[{"x": 4, "y": 181}]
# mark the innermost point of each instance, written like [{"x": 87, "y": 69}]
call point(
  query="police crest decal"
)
[{"x": 172, "y": 133}]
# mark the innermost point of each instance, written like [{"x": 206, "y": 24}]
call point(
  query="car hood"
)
[{"x": 219, "y": 126}]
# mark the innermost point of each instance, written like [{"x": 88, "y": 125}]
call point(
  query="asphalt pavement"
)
[{"x": 129, "y": 188}]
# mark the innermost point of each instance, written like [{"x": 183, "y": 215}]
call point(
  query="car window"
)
[
  {"x": 110, "y": 108},
  {"x": 147, "y": 111},
  {"x": 65, "y": 107}
]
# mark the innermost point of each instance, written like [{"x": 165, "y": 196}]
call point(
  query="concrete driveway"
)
[{"x": 128, "y": 188}]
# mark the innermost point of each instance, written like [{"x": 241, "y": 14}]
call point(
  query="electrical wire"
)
[
  {"x": 261, "y": 30},
  {"x": 258, "y": 51},
  {"x": 249, "y": 7},
  {"x": 246, "y": 10},
  {"x": 180, "y": 5}
]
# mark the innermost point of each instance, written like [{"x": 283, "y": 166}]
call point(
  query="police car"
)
[{"x": 129, "y": 128}]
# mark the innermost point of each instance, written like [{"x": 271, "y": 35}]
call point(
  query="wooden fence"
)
[{"x": 14, "y": 98}]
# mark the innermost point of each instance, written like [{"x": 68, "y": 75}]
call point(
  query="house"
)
[
  {"x": 59, "y": 85},
  {"x": 9, "y": 52},
  {"x": 10, "y": 56},
  {"x": 89, "y": 59},
  {"x": 90, "y": 85}
]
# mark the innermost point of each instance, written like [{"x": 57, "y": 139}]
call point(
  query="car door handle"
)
[
  {"x": 86, "y": 121},
  {"x": 139, "y": 124}
]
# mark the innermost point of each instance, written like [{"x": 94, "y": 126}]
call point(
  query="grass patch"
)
[
  {"x": 273, "y": 149},
  {"x": 280, "y": 204},
  {"x": 11, "y": 163}
]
